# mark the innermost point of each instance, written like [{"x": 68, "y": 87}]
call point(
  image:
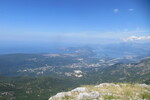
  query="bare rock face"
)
[
  {"x": 80, "y": 89},
  {"x": 106, "y": 91},
  {"x": 61, "y": 95},
  {"x": 144, "y": 85},
  {"x": 107, "y": 84},
  {"x": 91, "y": 95}
]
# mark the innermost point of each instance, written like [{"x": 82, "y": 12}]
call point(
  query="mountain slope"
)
[
  {"x": 33, "y": 88},
  {"x": 106, "y": 91},
  {"x": 138, "y": 71}
]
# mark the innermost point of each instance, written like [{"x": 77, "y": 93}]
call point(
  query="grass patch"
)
[
  {"x": 145, "y": 95},
  {"x": 109, "y": 97}
]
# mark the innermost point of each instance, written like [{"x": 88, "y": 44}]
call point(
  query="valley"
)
[{"x": 40, "y": 76}]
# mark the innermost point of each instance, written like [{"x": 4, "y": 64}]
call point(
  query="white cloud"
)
[
  {"x": 133, "y": 38},
  {"x": 130, "y": 9},
  {"x": 115, "y": 10}
]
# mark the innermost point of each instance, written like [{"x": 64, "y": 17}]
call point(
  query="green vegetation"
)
[
  {"x": 109, "y": 97},
  {"x": 37, "y": 88},
  {"x": 145, "y": 95}
]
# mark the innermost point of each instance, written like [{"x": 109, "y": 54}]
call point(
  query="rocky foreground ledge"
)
[{"x": 106, "y": 91}]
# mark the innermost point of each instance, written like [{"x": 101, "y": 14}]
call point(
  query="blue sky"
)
[{"x": 82, "y": 21}]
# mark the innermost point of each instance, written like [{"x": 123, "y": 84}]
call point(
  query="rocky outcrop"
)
[{"x": 106, "y": 91}]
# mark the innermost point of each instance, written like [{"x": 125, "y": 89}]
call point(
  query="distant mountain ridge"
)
[
  {"x": 68, "y": 65},
  {"x": 138, "y": 71}
]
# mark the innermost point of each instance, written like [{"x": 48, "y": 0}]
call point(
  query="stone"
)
[
  {"x": 80, "y": 89},
  {"x": 59, "y": 96}
]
